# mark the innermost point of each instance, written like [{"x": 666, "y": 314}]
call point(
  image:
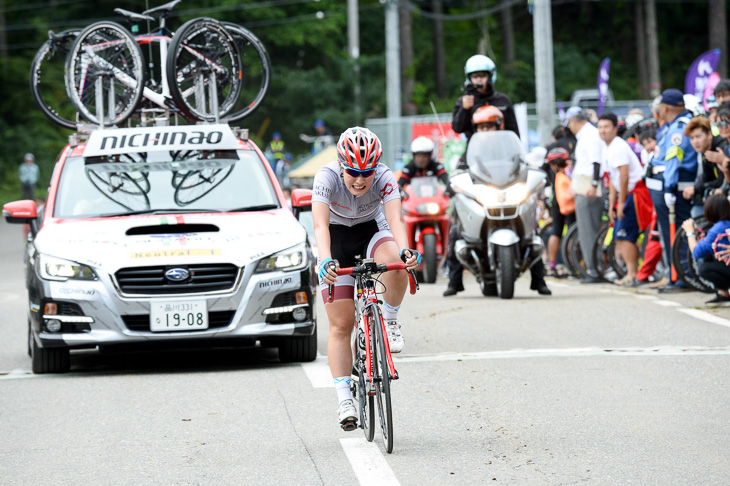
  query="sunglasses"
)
[
  {"x": 723, "y": 123},
  {"x": 360, "y": 173}
]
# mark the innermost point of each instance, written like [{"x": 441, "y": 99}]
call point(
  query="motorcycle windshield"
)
[
  {"x": 495, "y": 158},
  {"x": 425, "y": 186}
]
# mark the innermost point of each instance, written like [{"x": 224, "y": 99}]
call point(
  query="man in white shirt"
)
[
  {"x": 586, "y": 177},
  {"x": 625, "y": 171}
]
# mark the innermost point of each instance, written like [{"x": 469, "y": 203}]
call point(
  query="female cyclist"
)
[{"x": 348, "y": 222}]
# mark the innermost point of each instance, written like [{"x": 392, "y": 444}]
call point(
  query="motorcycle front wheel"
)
[{"x": 506, "y": 272}]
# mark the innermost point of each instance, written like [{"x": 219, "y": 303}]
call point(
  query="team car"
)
[{"x": 165, "y": 237}]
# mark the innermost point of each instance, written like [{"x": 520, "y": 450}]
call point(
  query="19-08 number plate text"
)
[{"x": 178, "y": 316}]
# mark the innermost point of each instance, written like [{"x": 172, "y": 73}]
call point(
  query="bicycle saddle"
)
[
  {"x": 162, "y": 9},
  {"x": 133, "y": 17}
]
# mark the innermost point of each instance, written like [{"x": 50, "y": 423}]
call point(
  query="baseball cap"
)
[
  {"x": 672, "y": 97},
  {"x": 711, "y": 102},
  {"x": 318, "y": 123},
  {"x": 29, "y": 156},
  {"x": 572, "y": 111}
]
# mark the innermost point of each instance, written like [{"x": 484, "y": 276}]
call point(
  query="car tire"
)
[
  {"x": 299, "y": 348},
  {"x": 49, "y": 360}
]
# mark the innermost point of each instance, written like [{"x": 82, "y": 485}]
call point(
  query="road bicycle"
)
[{"x": 373, "y": 368}]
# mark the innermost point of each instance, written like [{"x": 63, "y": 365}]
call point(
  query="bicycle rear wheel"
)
[
  {"x": 568, "y": 245},
  {"x": 685, "y": 264},
  {"x": 47, "y": 84},
  {"x": 255, "y": 72},
  {"x": 105, "y": 74},
  {"x": 381, "y": 373},
  {"x": 204, "y": 70},
  {"x": 366, "y": 401}
]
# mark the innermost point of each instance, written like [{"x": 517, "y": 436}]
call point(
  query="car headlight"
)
[
  {"x": 428, "y": 208},
  {"x": 52, "y": 268},
  {"x": 286, "y": 260}
]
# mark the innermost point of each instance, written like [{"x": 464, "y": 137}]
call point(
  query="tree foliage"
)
[{"x": 315, "y": 79}]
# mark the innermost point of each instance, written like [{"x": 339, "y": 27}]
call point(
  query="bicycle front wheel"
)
[
  {"x": 105, "y": 74},
  {"x": 47, "y": 79},
  {"x": 381, "y": 375},
  {"x": 204, "y": 70},
  {"x": 364, "y": 399},
  {"x": 688, "y": 269}
]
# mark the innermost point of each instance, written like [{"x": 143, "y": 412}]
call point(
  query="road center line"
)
[
  {"x": 570, "y": 352},
  {"x": 368, "y": 463},
  {"x": 318, "y": 372},
  {"x": 706, "y": 316}
]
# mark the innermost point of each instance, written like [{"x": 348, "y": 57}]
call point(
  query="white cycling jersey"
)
[{"x": 349, "y": 210}]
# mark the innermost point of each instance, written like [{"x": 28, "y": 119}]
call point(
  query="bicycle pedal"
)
[{"x": 349, "y": 425}]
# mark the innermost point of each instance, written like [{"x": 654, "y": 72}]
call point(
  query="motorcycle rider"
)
[
  {"x": 485, "y": 118},
  {"x": 423, "y": 164}
]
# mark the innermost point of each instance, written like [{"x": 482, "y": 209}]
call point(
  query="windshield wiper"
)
[
  {"x": 162, "y": 211},
  {"x": 260, "y": 207}
]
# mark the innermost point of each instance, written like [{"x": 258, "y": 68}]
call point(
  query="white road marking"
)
[
  {"x": 645, "y": 297},
  {"x": 570, "y": 352},
  {"x": 318, "y": 372},
  {"x": 706, "y": 316},
  {"x": 667, "y": 303},
  {"x": 368, "y": 463}
]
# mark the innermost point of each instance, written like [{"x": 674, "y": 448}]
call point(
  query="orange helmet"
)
[{"x": 488, "y": 114}]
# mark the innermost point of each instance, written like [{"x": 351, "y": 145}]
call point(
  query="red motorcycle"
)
[{"x": 427, "y": 224}]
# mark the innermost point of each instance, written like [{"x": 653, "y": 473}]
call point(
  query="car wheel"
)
[
  {"x": 49, "y": 360},
  {"x": 299, "y": 348}
]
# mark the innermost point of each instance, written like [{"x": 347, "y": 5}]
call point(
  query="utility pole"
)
[
  {"x": 544, "y": 72},
  {"x": 353, "y": 49},
  {"x": 394, "y": 143},
  {"x": 652, "y": 46}
]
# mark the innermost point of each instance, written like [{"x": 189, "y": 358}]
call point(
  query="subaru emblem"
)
[{"x": 177, "y": 274}]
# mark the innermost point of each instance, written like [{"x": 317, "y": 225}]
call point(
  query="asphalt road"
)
[{"x": 591, "y": 386}]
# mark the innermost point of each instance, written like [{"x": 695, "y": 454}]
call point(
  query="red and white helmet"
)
[
  {"x": 359, "y": 149},
  {"x": 488, "y": 114}
]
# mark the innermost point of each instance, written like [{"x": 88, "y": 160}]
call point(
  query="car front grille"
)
[
  {"x": 141, "y": 323},
  {"x": 152, "y": 280}
]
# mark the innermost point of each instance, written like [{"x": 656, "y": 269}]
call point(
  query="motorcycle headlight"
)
[
  {"x": 515, "y": 194},
  {"x": 52, "y": 268},
  {"x": 285, "y": 260},
  {"x": 428, "y": 208}
]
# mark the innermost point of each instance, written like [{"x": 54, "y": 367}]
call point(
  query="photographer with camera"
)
[{"x": 481, "y": 74}]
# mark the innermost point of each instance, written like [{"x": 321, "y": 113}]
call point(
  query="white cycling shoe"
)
[
  {"x": 347, "y": 415},
  {"x": 395, "y": 338}
]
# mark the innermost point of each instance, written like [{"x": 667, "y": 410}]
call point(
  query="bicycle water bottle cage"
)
[{"x": 162, "y": 10}]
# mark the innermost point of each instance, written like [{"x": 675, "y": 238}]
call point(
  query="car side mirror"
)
[
  {"x": 20, "y": 212},
  {"x": 301, "y": 200}
]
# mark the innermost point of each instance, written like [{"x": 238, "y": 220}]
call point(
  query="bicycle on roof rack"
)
[{"x": 206, "y": 71}]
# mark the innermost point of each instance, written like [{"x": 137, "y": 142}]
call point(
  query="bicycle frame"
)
[{"x": 367, "y": 298}]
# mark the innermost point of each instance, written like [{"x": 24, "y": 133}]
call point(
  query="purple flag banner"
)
[
  {"x": 603, "y": 84},
  {"x": 699, "y": 72}
]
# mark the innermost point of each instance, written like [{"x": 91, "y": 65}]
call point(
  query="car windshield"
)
[
  {"x": 192, "y": 181},
  {"x": 425, "y": 186},
  {"x": 496, "y": 157}
]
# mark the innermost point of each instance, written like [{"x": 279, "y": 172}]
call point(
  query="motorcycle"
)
[
  {"x": 496, "y": 206},
  {"x": 427, "y": 224}
]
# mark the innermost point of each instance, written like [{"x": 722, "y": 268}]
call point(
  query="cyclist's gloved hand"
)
[
  {"x": 323, "y": 267},
  {"x": 405, "y": 257}
]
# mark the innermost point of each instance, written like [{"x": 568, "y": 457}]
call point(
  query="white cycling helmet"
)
[
  {"x": 422, "y": 145},
  {"x": 481, "y": 63},
  {"x": 694, "y": 104}
]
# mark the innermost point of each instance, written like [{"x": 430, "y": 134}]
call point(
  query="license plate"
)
[{"x": 178, "y": 316}]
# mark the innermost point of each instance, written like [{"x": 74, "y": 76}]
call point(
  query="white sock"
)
[
  {"x": 390, "y": 313},
  {"x": 342, "y": 387}
]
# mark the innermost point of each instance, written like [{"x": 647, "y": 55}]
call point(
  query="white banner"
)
[{"x": 145, "y": 139}]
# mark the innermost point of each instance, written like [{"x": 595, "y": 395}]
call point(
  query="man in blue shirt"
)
[
  {"x": 672, "y": 169},
  {"x": 28, "y": 174}
]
